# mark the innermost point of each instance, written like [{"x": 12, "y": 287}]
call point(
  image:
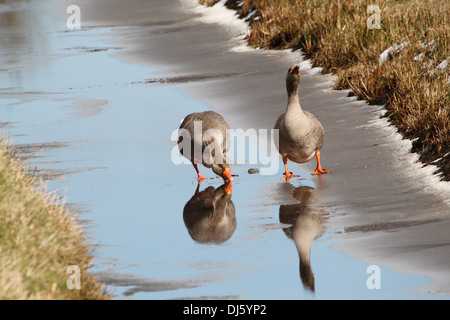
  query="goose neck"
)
[{"x": 293, "y": 103}]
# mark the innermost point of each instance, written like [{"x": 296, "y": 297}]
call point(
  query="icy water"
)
[{"x": 95, "y": 110}]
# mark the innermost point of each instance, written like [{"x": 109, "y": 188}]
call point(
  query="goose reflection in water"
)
[
  {"x": 307, "y": 225},
  {"x": 210, "y": 215}
]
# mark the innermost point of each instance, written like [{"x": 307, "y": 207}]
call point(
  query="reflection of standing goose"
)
[
  {"x": 300, "y": 132},
  {"x": 203, "y": 138},
  {"x": 307, "y": 226},
  {"x": 210, "y": 216}
]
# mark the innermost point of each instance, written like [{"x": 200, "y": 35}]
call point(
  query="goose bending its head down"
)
[
  {"x": 203, "y": 137},
  {"x": 301, "y": 134},
  {"x": 210, "y": 215}
]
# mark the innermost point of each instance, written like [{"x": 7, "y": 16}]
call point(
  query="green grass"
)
[
  {"x": 39, "y": 239},
  {"x": 335, "y": 36}
]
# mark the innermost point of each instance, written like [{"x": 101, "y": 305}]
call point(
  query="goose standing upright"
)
[
  {"x": 301, "y": 134},
  {"x": 203, "y": 137}
]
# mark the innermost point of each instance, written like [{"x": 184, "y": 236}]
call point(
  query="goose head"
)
[
  {"x": 223, "y": 170},
  {"x": 292, "y": 79}
]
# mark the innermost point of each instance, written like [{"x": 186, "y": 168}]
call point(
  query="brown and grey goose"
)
[
  {"x": 300, "y": 132},
  {"x": 307, "y": 224},
  {"x": 210, "y": 215},
  {"x": 203, "y": 138}
]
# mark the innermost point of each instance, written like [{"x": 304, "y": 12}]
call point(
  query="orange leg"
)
[
  {"x": 287, "y": 174},
  {"x": 199, "y": 175},
  {"x": 319, "y": 169}
]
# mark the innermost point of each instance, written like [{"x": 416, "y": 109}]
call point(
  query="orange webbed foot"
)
[
  {"x": 200, "y": 178},
  {"x": 321, "y": 171},
  {"x": 289, "y": 175}
]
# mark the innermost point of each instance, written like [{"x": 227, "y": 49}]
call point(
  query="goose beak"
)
[
  {"x": 227, "y": 174},
  {"x": 295, "y": 70},
  {"x": 229, "y": 188}
]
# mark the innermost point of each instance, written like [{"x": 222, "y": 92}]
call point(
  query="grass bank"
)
[
  {"x": 404, "y": 64},
  {"x": 39, "y": 240}
]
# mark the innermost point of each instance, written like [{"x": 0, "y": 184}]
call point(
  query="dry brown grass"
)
[
  {"x": 334, "y": 34},
  {"x": 39, "y": 239}
]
